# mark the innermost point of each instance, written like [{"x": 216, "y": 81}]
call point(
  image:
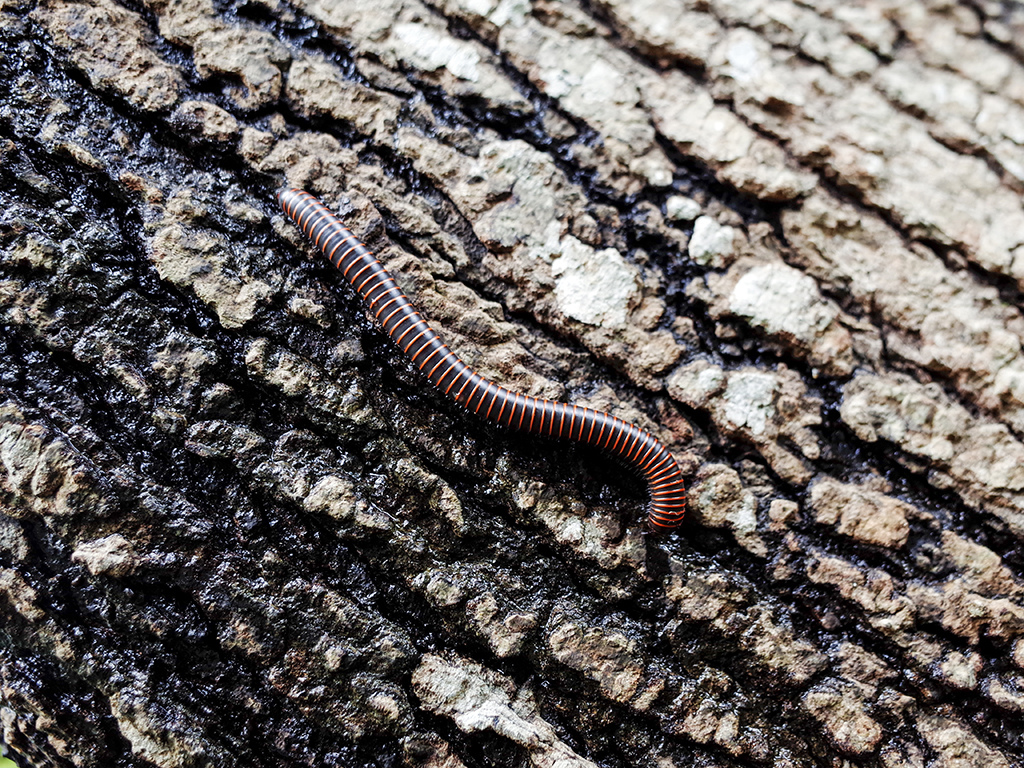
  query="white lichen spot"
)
[
  {"x": 480, "y": 7},
  {"x": 572, "y": 533},
  {"x": 681, "y": 208},
  {"x": 710, "y": 380},
  {"x": 428, "y": 49},
  {"x": 781, "y": 299},
  {"x": 500, "y": 12},
  {"x": 711, "y": 242},
  {"x": 749, "y": 400},
  {"x": 594, "y": 287},
  {"x": 559, "y": 82},
  {"x": 744, "y": 521},
  {"x": 744, "y": 60}
]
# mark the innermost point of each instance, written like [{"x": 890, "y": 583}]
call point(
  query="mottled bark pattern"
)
[{"x": 784, "y": 238}]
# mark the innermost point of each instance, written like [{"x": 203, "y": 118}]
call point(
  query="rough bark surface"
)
[{"x": 786, "y": 236}]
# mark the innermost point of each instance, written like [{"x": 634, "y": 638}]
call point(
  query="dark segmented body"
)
[{"x": 447, "y": 372}]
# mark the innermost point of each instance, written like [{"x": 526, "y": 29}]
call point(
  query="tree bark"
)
[{"x": 237, "y": 527}]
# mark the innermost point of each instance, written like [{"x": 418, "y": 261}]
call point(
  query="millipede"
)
[{"x": 393, "y": 311}]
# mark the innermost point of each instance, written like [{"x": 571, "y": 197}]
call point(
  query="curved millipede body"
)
[{"x": 407, "y": 328}]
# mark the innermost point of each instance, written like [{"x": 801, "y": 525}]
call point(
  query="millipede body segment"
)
[{"x": 417, "y": 340}]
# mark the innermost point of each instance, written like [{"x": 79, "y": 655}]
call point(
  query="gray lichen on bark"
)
[{"x": 787, "y": 238}]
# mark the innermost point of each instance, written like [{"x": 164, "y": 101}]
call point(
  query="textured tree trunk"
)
[{"x": 238, "y": 528}]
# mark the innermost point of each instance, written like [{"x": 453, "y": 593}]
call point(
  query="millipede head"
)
[{"x": 289, "y": 198}]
